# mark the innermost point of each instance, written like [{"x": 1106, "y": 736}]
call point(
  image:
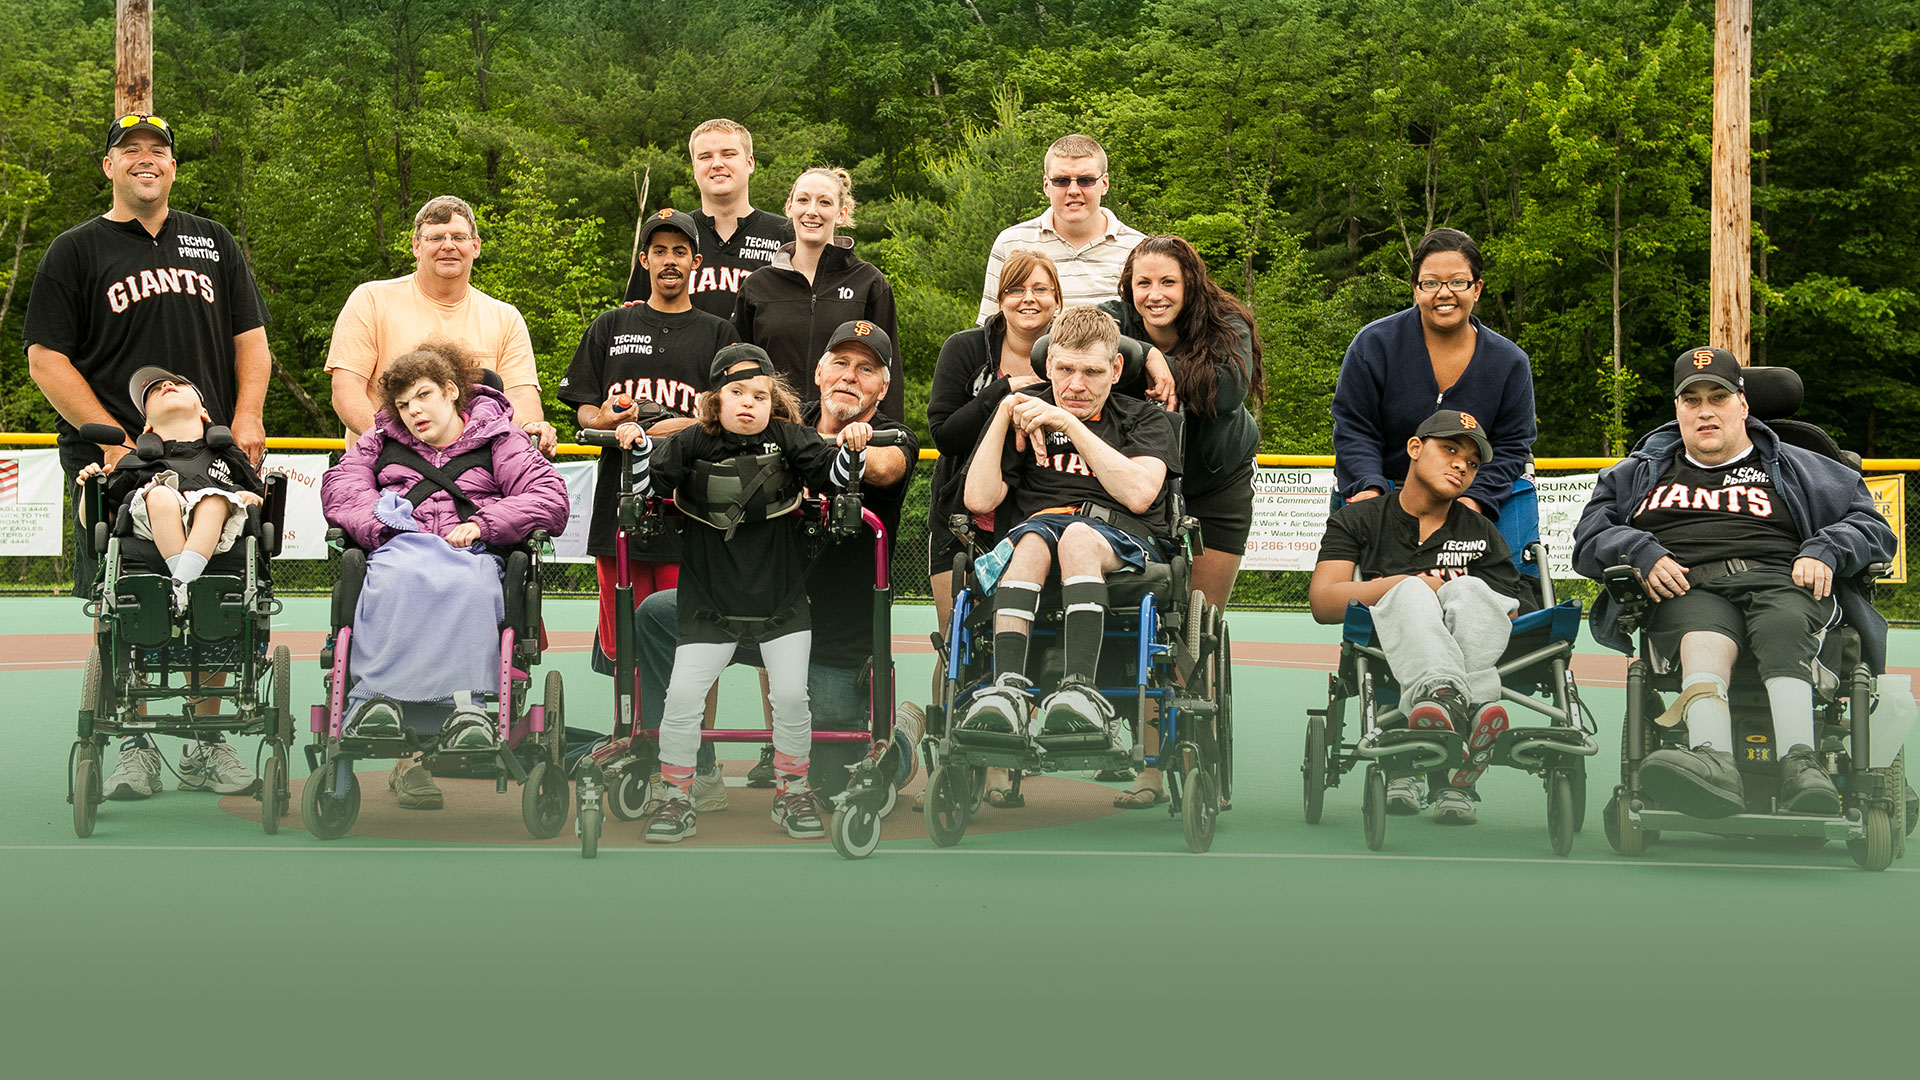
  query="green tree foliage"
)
[{"x": 1303, "y": 145}]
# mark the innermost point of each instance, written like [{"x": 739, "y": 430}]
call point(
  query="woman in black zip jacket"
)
[{"x": 792, "y": 305}]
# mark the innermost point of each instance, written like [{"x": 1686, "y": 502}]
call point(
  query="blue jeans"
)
[{"x": 834, "y": 694}]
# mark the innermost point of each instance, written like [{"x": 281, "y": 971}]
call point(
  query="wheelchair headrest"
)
[
  {"x": 491, "y": 379},
  {"x": 1773, "y": 393}
]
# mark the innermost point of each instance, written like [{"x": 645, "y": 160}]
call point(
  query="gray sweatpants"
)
[{"x": 1452, "y": 637}]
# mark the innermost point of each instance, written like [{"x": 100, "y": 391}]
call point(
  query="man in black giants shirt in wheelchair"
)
[
  {"x": 1085, "y": 475},
  {"x": 1742, "y": 541}
]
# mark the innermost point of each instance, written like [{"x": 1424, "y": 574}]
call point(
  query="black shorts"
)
[
  {"x": 1226, "y": 513},
  {"x": 1775, "y": 621}
]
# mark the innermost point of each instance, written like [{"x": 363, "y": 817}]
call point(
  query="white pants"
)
[
  {"x": 696, "y": 666},
  {"x": 1452, "y": 637}
]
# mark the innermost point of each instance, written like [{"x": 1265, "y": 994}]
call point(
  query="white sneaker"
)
[
  {"x": 709, "y": 791},
  {"x": 215, "y": 767},
  {"x": 658, "y": 793},
  {"x": 1454, "y": 807},
  {"x": 1075, "y": 708},
  {"x": 1405, "y": 795},
  {"x": 135, "y": 776},
  {"x": 473, "y": 731}
]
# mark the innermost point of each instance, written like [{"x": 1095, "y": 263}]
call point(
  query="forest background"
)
[{"x": 1303, "y": 145}]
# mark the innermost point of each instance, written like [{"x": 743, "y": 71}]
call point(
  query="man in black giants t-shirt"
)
[
  {"x": 1442, "y": 589},
  {"x": 1085, "y": 473},
  {"x": 735, "y": 239},
  {"x": 144, "y": 284},
  {"x": 657, "y": 352},
  {"x": 1742, "y": 542}
]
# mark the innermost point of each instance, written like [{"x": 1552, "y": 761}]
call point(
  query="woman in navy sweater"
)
[{"x": 1434, "y": 355}]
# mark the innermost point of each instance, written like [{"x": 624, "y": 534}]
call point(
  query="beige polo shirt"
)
[
  {"x": 1090, "y": 275},
  {"x": 385, "y": 319}
]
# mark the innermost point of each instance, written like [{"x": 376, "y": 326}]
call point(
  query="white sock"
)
[
  {"x": 1709, "y": 720},
  {"x": 1791, "y": 701},
  {"x": 186, "y": 566}
]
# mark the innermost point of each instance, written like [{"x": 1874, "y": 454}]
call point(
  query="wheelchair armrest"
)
[
  {"x": 1623, "y": 584},
  {"x": 346, "y": 592},
  {"x": 273, "y": 511}
]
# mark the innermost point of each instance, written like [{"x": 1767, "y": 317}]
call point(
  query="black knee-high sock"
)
[
  {"x": 1020, "y": 599},
  {"x": 1085, "y": 600}
]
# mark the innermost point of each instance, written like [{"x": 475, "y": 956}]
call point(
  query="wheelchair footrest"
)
[
  {"x": 1833, "y": 828},
  {"x": 989, "y": 740},
  {"x": 143, "y": 608},
  {"x": 1077, "y": 742},
  {"x": 217, "y": 606}
]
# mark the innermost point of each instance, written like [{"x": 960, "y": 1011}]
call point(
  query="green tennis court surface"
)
[{"x": 1099, "y": 945}]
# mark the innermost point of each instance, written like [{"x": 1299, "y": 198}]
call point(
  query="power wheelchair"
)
[
  {"x": 145, "y": 652},
  {"x": 1865, "y": 758},
  {"x": 1536, "y": 662}
]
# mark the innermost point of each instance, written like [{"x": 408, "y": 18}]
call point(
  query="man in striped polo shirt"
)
[{"x": 1087, "y": 244}]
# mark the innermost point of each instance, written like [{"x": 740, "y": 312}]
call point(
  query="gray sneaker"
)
[
  {"x": 1406, "y": 795},
  {"x": 709, "y": 791},
  {"x": 1076, "y": 708},
  {"x": 135, "y": 776},
  {"x": 215, "y": 767},
  {"x": 415, "y": 789},
  {"x": 1454, "y": 807},
  {"x": 1001, "y": 708}
]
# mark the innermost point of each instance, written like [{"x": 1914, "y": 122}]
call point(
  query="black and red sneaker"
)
[
  {"x": 1488, "y": 723},
  {"x": 1445, "y": 709}
]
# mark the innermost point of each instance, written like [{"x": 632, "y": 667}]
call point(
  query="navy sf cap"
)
[
  {"x": 734, "y": 355},
  {"x": 862, "y": 332},
  {"x": 1717, "y": 366},
  {"x": 669, "y": 218}
]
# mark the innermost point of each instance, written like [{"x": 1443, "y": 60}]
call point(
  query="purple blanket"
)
[{"x": 428, "y": 624}]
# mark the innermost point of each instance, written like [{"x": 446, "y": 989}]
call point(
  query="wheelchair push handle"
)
[
  {"x": 886, "y": 437},
  {"x": 104, "y": 434},
  {"x": 646, "y": 412}
]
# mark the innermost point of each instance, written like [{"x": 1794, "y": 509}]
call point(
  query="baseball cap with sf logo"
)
[{"x": 1716, "y": 366}]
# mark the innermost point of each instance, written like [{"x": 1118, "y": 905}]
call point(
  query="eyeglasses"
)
[
  {"x": 1064, "y": 182},
  {"x": 1458, "y": 285},
  {"x": 1038, "y": 292},
  {"x": 136, "y": 119},
  {"x": 436, "y": 239}
]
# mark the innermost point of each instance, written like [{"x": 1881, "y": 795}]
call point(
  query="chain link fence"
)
[{"x": 1257, "y": 590}]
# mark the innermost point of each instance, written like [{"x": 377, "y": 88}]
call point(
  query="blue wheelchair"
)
[{"x": 1535, "y": 674}]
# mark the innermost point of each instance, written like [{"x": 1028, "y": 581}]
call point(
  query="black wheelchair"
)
[
  {"x": 1877, "y": 807},
  {"x": 1534, "y": 675},
  {"x": 530, "y": 738},
  {"x": 1166, "y": 661},
  {"x": 146, "y": 653}
]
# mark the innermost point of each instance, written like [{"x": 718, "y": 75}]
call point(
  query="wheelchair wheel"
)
[
  {"x": 587, "y": 814},
  {"x": 1579, "y": 782},
  {"x": 1875, "y": 850},
  {"x": 273, "y": 789},
  {"x": 626, "y": 797},
  {"x": 1313, "y": 771},
  {"x": 855, "y": 831},
  {"x": 1625, "y": 837},
  {"x": 86, "y": 788},
  {"x": 893, "y": 800},
  {"x": 947, "y": 804},
  {"x": 1373, "y": 808},
  {"x": 1560, "y": 812},
  {"x": 1223, "y": 713},
  {"x": 1200, "y": 809},
  {"x": 329, "y": 818},
  {"x": 556, "y": 720},
  {"x": 281, "y": 722},
  {"x": 976, "y": 778},
  {"x": 1193, "y": 631},
  {"x": 543, "y": 801}
]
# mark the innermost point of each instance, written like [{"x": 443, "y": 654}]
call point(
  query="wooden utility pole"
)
[
  {"x": 1732, "y": 248},
  {"x": 133, "y": 57}
]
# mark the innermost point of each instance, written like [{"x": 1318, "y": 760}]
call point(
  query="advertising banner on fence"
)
[
  {"x": 1290, "y": 516},
  {"x": 571, "y": 545},
  {"x": 1890, "y": 498},
  {"x": 30, "y": 502}
]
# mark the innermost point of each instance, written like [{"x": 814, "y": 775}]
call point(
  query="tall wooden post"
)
[
  {"x": 1732, "y": 248},
  {"x": 133, "y": 57}
]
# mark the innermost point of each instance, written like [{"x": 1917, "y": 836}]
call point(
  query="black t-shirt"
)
[
  {"x": 114, "y": 298},
  {"x": 1382, "y": 539},
  {"x": 1133, "y": 427},
  {"x": 753, "y": 574},
  {"x": 1703, "y": 513},
  {"x": 841, "y": 585},
  {"x": 724, "y": 264},
  {"x": 651, "y": 356}
]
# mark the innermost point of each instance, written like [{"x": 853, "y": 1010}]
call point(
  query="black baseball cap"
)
[
  {"x": 132, "y": 122},
  {"x": 739, "y": 353},
  {"x": 669, "y": 218},
  {"x": 1717, "y": 366},
  {"x": 864, "y": 333},
  {"x": 144, "y": 379},
  {"x": 1448, "y": 423}
]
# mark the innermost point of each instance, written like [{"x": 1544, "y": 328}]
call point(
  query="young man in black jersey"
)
[
  {"x": 1742, "y": 541},
  {"x": 140, "y": 284},
  {"x": 735, "y": 238},
  {"x": 1442, "y": 589},
  {"x": 1085, "y": 473},
  {"x": 658, "y": 351}
]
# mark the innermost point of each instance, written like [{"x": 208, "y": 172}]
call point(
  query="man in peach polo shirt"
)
[{"x": 383, "y": 319}]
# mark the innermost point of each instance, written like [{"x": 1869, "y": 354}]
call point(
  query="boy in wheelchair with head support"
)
[
  {"x": 1754, "y": 543},
  {"x": 173, "y": 510}
]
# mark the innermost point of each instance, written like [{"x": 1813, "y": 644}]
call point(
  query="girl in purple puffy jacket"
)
[{"x": 426, "y": 629}]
